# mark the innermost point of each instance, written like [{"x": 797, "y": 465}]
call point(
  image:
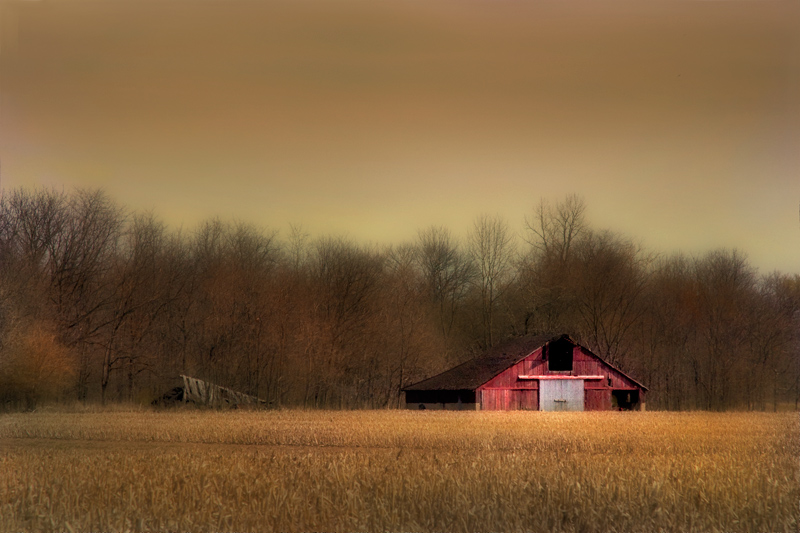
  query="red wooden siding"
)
[
  {"x": 583, "y": 364},
  {"x": 510, "y": 399},
  {"x": 507, "y": 392},
  {"x": 597, "y": 399}
]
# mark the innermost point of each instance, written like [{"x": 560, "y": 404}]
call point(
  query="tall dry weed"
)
[{"x": 399, "y": 471}]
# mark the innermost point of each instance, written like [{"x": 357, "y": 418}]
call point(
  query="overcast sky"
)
[{"x": 678, "y": 121}]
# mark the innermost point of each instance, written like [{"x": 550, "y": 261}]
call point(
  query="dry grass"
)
[{"x": 398, "y": 471}]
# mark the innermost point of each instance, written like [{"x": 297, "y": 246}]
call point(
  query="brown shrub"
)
[{"x": 34, "y": 367}]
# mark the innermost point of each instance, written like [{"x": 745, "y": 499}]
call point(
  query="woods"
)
[{"x": 101, "y": 304}]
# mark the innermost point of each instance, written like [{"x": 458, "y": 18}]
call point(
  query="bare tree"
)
[
  {"x": 545, "y": 301},
  {"x": 410, "y": 342},
  {"x": 234, "y": 266},
  {"x": 608, "y": 282},
  {"x": 554, "y": 229},
  {"x": 345, "y": 280},
  {"x": 666, "y": 333},
  {"x": 298, "y": 245},
  {"x": 773, "y": 342},
  {"x": 94, "y": 296},
  {"x": 143, "y": 284},
  {"x": 726, "y": 287},
  {"x": 447, "y": 272},
  {"x": 491, "y": 247}
]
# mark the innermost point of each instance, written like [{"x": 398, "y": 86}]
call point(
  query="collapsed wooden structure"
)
[
  {"x": 205, "y": 393},
  {"x": 542, "y": 373}
]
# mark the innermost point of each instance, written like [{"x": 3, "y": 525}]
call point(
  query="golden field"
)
[{"x": 192, "y": 470}]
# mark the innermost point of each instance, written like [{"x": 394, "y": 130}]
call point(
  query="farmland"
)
[{"x": 133, "y": 470}]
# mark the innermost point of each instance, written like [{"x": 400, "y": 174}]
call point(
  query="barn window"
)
[{"x": 560, "y": 356}]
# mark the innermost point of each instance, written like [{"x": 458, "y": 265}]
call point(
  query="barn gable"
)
[{"x": 535, "y": 373}]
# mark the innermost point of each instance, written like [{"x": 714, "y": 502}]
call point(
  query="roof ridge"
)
[{"x": 480, "y": 369}]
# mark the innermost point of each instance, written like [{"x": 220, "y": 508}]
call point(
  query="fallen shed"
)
[{"x": 205, "y": 393}]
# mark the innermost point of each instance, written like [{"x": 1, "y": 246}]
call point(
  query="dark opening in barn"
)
[
  {"x": 560, "y": 356},
  {"x": 455, "y": 399},
  {"x": 625, "y": 400}
]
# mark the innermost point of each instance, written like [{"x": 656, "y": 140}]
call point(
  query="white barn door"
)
[{"x": 561, "y": 394}]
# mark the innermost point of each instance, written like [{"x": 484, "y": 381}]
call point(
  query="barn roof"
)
[
  {"x": 615, "y": 368},
  {"x": 477, "y": 371}
]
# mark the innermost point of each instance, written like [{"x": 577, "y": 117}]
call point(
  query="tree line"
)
[{"x": 98, "y": 303}]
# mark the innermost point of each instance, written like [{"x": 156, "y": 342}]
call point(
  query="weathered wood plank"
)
[{"x": 205, "y": 393}]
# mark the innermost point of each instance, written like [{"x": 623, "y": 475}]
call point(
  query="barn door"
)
[{"x": 561, "y": 395}]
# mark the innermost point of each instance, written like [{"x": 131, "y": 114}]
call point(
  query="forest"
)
[{"x": 102, "y": 304}]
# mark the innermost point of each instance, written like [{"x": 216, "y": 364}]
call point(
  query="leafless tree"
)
[
  {"x": 609, "y": 282},
  {"x": 554, "y": 229},
  {"x": 111, "y": 301},
  {"x": 545, "y": 301},
  {"x": 447, "y": 272},
  {"x": 491, "y": 247}
]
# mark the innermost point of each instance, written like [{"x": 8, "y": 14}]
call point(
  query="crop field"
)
[{"x": 191, "y": 470}]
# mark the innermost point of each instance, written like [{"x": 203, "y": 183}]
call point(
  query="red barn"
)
[{"x": 541, "y": 373}]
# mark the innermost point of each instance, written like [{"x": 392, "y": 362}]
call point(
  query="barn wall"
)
[
  {"x": 509, "y": 400},
  {"x": 583, "y": 364},
  {"x": 597, "y": 399}
]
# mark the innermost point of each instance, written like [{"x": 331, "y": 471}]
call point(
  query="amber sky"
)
[{"x": 678, "y": 121}]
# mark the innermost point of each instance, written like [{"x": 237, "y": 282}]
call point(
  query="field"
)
[{"x": 189, "y": 470}]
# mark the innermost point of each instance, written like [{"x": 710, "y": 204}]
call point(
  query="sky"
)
[{"x": 678, "y": 121}]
